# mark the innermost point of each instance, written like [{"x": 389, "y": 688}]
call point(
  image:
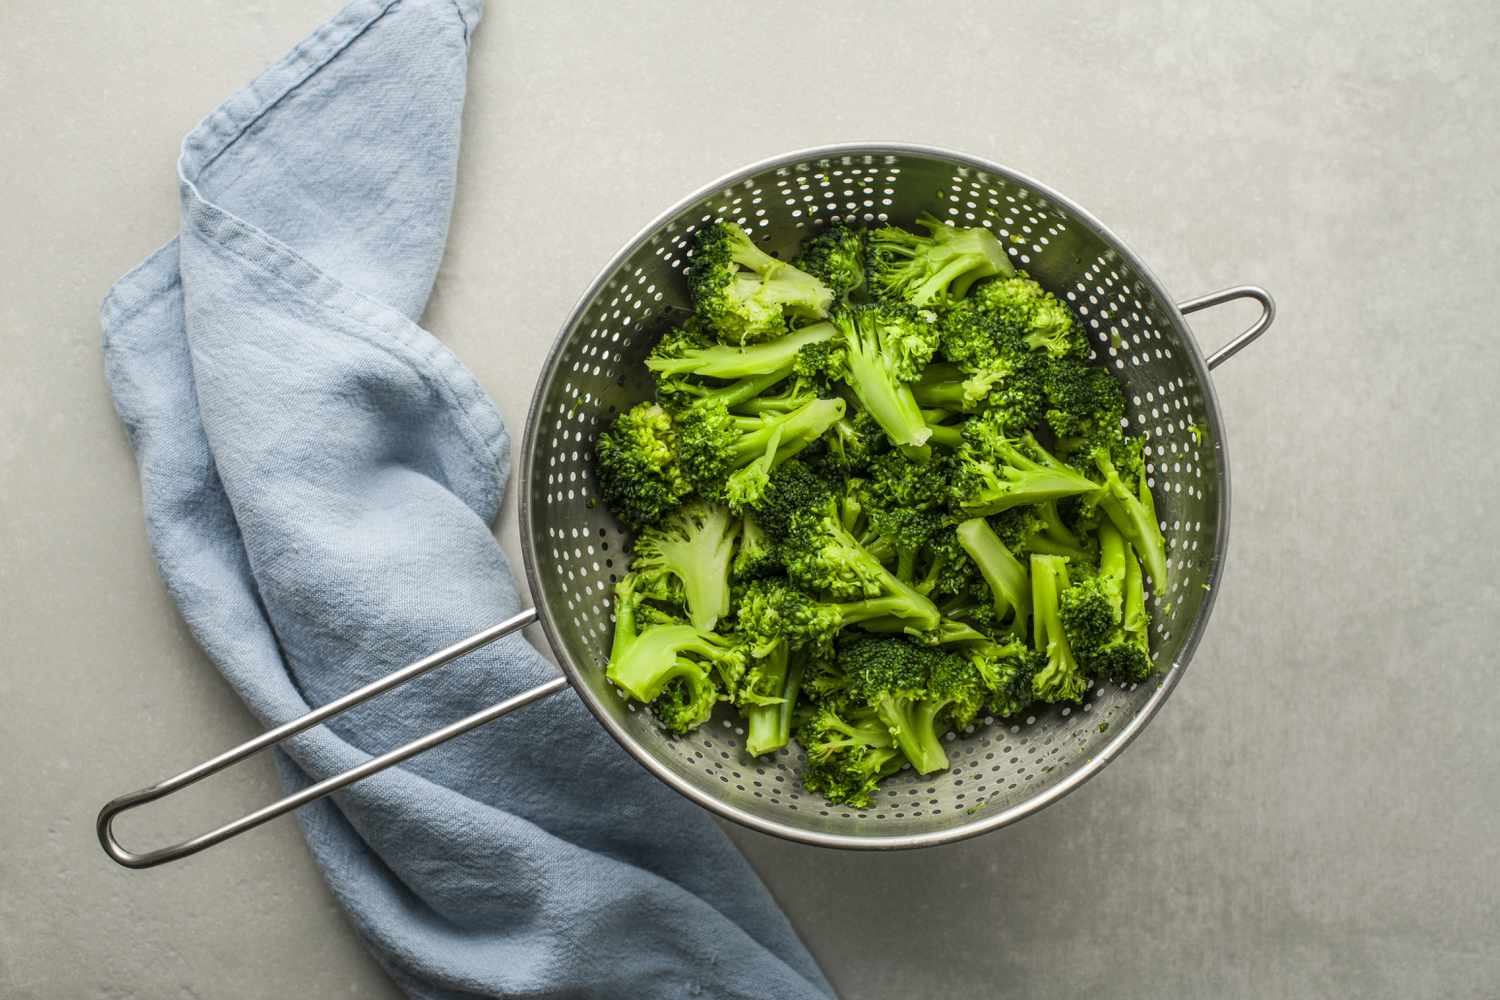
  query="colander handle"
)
[
  {"x": 1223, "y": 295},
  {"x": 160, "y": 790}
]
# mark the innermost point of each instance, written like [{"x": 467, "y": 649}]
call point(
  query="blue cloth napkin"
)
[{"x": 320, "y": 475}]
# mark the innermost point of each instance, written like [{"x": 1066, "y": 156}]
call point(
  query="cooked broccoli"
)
[
  {"x": 743, "y": 293},
  {"x": 1058, "y": 676},
  {"x": 926, "y": 270},
  {"x": 1104, "y": 615},
  {"x": 1025, "y": 310},
  {"x": 693, "y": 546},
  {"x": 914, "y": 689},
  {"x": 1003, "y": 573},
  {"x": 997, "y": 472},
  {"x": 847, "y": 754},
  {"x": 732, "y": 456},
  {"x": 673, "y": 659},
  {"x": 640, "y": 476},
  {"x": 885, "y": 348},
  {"x": 874, "y": 523},
  {"x": 836, "y": 257}
]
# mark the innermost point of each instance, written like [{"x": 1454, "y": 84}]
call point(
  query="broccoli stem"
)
[
  {"x": 798, "y": 429},
  {"x": 946, "y": 437},
  {"x": 912, "y": 725},
  {"x": 1135, "y": 516},
  {"x": 746, "y": 389},
  {"x": 732, "y": 362},
  {"x": 941, "y": 385},
  {"x": 1001, "y": 570},
  {"x": 885, "y": 397},
  {"x": 769, "y": 727}
]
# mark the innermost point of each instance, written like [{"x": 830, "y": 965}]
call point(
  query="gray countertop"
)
[{"x": 1314, "y": 813}]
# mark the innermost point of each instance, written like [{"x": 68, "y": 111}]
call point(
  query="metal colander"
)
[{"x": 574, "y": 550}]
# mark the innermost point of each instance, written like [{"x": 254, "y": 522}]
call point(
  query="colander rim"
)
[{"x": 981, "y": 822}]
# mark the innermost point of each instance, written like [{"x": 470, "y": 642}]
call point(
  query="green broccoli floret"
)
[
  {"x": 855, "y": 442},
  {"x": 640, "y": 478},
  {"x": 806, "y": 518},
  {"x": 732, "y": 456},
  {"x": 1085, "y": 405},
  {"x": 847, "y": 754},
  {"x": 1058, "y": 677},
  {"x": 767, "y": 697},
  {"x": 1104, "y": 615},
  {"x": 676, "y": 355},
  {"x": 1126, "y": 499},
  {"x": 1007, "y": 669},
  {"x": 1039, "y": 528},
  {"x": 1024, "y": 309},
  {"x": 836, "y": 257},
  {"x": 945, "y": 569},
  {"x": 913, "y": 689},
  {"x": 992, "y": 368},
  {"x": 693, "y": 546},
  {"x": 755, "y": 556},
  {"x": 1004, "y": 574},
  {"x": 648, "y": 660},
  {"x": 743, "y": 293},
  {"x": 926, "y": 270},
  {"x": 886, "y": 347},
  {"x": 996, "y": 472}
]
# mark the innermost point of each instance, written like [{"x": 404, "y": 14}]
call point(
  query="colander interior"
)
[{"x": 575, "y": 551}]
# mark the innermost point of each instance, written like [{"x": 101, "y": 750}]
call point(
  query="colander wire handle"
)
[
  {"x": 1223, "y": 295},
  {"x": 160, "y": 790}
]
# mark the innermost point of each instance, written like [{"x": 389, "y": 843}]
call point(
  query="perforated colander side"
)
[{"x": 574, "y": 551}]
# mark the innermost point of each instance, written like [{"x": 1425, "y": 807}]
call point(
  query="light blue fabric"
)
[{"x": 320, "y": 475}]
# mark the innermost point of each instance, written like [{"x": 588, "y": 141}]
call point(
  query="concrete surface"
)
[{"x": 1314, "y": 814}]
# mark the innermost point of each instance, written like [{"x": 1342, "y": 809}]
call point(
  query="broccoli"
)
[
  {"x": 756, "y": 555},
  {"x": 802, "y": 514},
  {"x": 1025, "y": 310},
  {"x": 1058, "y": 676},
  {"x": 1002, "y": 572},
  {"x": 732, "y": 456},
  {"x": 997, "y": 472},
  {"x": 914, "y": 690},
  {"x": 1104, "y": 615},
  {"x": 743, "y": 293},
  {"x": 693, "y": 545},
  {"x": 677, "y": 660},
  {"x": 886, "y": 347},
  {"x": 636, "y": 460},
  {"x": 1130, "y": 506},
  {"x": 705, "y": 359},
  {"x": 930, "y": 269},
  {"x": 880, "y": 493},
  {"x": 847, "y": 754},
  {"x": 836, "y": 257}
]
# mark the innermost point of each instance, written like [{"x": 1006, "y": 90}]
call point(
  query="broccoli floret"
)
[
  {"x": 648, "y": 660},
  {"x": 926, "y": 270},
  {"x": 743, "y": 293},
  {"x": 1104, "y": 615},
  {"x": 756, "y": 555},
  {"x": 693, "y": 546},
  {"x": 806, "y": 518},
  {"x": 821, "y": 363},
  {"x": 640, "y": 478},
  {"x": 681, "y": 355},
  {"x": 1085, "y": 405},
  {"x": 1058, "y": 677},
  {"x": 767, "y": 697},
  {"x": 992, "y": 369},
  {"x": 1007, "y": 669},
  {"x": 731, "y": 456},
  {"x": 1003, "y": 573},
  {"x": 945, "y": 569},
  {"x": 1039, "y": 528},
  {"x": 855, "y": 442},
  {"x": 885, "y": 348},
  {"x": 836, "y": 257},
  {"x": 996, "y": 472},
  {"x": 1024, "y": 309},
  {"x": 847, "y": 755},
  {"x": 912, "y": 689},
  {"x": 1126, "y": 499}
]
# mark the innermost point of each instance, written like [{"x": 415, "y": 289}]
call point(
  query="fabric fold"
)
[{"x": 320, "y": 476}]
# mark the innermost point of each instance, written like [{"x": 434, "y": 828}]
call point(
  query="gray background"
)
[{"x": 1315, "y": 811}]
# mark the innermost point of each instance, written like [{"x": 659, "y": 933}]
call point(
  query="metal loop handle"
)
[
  {"x": 1223, "y": 295},
  {"x": 160, "y": 790}
]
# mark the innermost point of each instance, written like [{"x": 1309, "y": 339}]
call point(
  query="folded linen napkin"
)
[{"x": 319, "y": 477}]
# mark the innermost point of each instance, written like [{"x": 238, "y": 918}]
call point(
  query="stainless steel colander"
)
[{"x": 1004, "y": 769}]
